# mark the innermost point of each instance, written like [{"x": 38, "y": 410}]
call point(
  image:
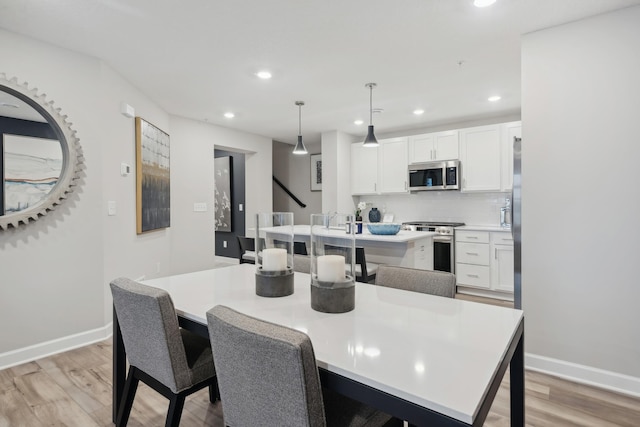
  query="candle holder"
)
[
  {"x": 274, "y": 254},
  {"x": 332, "y": 263}
]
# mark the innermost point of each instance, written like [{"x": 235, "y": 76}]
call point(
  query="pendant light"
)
[
  {"x": 300, "y": 148},
  {"x": 370, "y": 140}
]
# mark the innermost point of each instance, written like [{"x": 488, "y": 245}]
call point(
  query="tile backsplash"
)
[{"x": 449, "y": 206}]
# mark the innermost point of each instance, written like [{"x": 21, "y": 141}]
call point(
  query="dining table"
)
[{"x": 425, "y": 359}]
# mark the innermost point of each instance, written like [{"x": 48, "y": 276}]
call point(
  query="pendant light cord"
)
[
  {"x": 299, "y": 119},
  {"x": 370, "y": 105}
]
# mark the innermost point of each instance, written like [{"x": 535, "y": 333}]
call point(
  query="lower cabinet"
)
[{"x": 484, "y": 263}]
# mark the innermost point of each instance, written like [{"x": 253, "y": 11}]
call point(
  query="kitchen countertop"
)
[
  {"x": 403, "y": 236},
  {"x": 483, "y": 228}
]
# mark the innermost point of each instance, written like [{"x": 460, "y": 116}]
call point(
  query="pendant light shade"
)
[
  {"x": 370, "y": 140},
  {"x": 300, "y": 148}
]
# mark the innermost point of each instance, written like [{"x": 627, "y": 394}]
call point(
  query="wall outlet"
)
[
  {"x": 111, "y": 208},
  {"x": 200, "y": 207},
  {"x": 224, "y": 243}
]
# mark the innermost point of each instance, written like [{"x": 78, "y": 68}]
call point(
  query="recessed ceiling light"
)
[
  {"x": 358, "y": 122},
  {"x": 494, "y": 98},
  {"x": 229, "y": 115},
  {"x": 483, "y": 3},
  {"x": 418, "y": 112},
  {"x": 264, "y": 74}
]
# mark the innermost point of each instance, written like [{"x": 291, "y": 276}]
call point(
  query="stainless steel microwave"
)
[{"x": 444, "y": 175}]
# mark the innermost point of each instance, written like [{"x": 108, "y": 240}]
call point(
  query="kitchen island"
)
[{"x": 412, "y": 249}]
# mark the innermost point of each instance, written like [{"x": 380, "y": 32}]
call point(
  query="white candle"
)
[
  {"x": 331, "y": 268},
  {"x": 274, "y": 259}
]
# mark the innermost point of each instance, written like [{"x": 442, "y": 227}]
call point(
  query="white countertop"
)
[
  {"x": 439, "y": 353},
  {"x": 483, "y": 228},
  {"x": 401, "y": 237}
]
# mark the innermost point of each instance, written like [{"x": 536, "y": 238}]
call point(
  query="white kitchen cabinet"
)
[
  {"x": 364, "y": 169},
  {"x": 392, "y": 166},
  {"x": 502, "y": 261},
  {"x": 509, "y": 132},
  {"x": 472, "y": 259},
  {"x": 433, "y": 146},
  {"x": 380, "y": 170},
  {"x": 481, "y": 158},
  {"x": 484, "y": 263}
]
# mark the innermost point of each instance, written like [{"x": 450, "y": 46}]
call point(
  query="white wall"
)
[
  {"x": 54, "y": 273},
  {"x": 294, "y": 171},
  {"x": 581, "y": 203}
]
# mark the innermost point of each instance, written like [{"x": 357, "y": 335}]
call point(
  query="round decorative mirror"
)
[{"x": 40, "y": 155}]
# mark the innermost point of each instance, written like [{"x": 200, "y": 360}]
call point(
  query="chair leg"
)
[
  {"x": 176, "y": 403},
  {"x": 128, "y": 395},
  {"x": 214, "y": 392}
]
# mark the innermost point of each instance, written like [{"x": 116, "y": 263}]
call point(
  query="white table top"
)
[{"x": 437, "y": 352}]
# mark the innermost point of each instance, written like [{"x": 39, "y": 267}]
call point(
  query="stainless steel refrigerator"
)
[{"x": 516, "y": 218}]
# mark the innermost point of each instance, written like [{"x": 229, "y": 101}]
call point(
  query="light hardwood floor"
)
[{"x": 74, "y": 389}]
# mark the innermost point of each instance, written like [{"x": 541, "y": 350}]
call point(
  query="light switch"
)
[
  {"x": 111, "y": 207},
  {"x": 125, "y": 169},
  {"x": 240, "y": 207},
  {"x": 200, "y": 207}
]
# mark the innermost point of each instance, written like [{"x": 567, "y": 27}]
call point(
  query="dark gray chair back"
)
[
  {"x": 410, "y": 279},
  {"x": 267, "y": 373}
]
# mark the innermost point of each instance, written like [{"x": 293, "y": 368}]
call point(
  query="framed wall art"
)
[
  {"x": 152, "y": 177},
  {"x": 316, "y": 172},
  {"x": 222, "y": 184}
]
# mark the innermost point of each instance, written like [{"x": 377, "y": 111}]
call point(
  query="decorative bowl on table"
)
[{"x": 383, "y": 228}]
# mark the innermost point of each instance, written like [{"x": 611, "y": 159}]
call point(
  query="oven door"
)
[{"x": 443, "y": 259}]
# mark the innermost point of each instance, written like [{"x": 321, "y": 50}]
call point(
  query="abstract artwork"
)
[
  {"x": 152, "y": 177},
  {"x": 32, "y": 167},
  {"x": 316, "y": 172},
  {"x": 224, "y": 175}
]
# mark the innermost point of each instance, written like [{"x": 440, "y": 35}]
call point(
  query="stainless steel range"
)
[{"x": 443, "y": 242}]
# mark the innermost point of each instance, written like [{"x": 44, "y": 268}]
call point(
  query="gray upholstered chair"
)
[
  {"x": 268, "y": 376},
  {"x": 410, "y": 279},
  {"x": 171, "y": 360}
]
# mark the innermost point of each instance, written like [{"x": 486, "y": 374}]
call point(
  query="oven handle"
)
[{"x": 442, "y": 238}]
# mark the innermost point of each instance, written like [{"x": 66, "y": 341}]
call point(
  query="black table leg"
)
[
  {"x": 119, "y": 366},
  {"x": 516, "y": 372}
]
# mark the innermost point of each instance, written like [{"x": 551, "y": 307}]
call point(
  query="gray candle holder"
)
[
  {"x": 274, "y": 284},
  {"x": 333, "y": 297}
]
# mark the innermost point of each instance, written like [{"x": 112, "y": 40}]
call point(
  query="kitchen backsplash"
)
[{"x": 450, "y": 206}]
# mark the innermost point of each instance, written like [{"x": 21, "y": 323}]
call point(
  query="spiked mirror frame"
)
[{"x": 73, "y": 160}]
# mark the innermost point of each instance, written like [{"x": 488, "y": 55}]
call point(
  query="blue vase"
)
[{"x": 374, "y": 215}]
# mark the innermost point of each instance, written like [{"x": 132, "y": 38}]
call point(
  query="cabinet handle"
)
[
  {"x": 405, "y": 186},
  {"x": 472, "y": 275},
  {"x": 375, "y": 187},
  {"x": 472, "y": 253},
  {"x": 496, "y": 254},
  {"x": 472, "y": 237}
]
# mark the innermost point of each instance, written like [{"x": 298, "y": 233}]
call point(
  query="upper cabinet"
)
[
  {"x": 379, "y": 170},
  {"x": 364, "y": 169},
  {"x": 433, "y": 146},
  {"x": 481, "y": 158},
  {"x": 509, "y": 132},
  {"x": 485, "y": 153},
  {"x": 392, "y": 165}
]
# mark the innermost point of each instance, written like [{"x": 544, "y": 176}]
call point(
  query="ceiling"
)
[{"x": 198, "y": 58}]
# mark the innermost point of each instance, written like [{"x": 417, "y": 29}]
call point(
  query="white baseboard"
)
[
  {"x": 609, "y": 380},
  {"x": 38, "y": 351}
]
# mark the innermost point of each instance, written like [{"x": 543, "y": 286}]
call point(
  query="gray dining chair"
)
[
  {"x": 268, "y": 376},
  {"x": 410, "y": 279},
  {"x": 171, "y": 360}
]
